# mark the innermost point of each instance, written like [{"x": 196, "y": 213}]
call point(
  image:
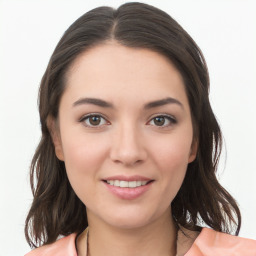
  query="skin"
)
[{"x": 127, "y": 141}]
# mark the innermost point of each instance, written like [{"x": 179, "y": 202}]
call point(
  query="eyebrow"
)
[
  {"x": 105, "y": 104},
  {"x": 162, "y": 102},
  {"x": 93, "y": 101}
]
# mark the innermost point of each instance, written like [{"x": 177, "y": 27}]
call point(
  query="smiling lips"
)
[
  {"x": 128, "y": 187},
  {"x": 126, "y": 184}
]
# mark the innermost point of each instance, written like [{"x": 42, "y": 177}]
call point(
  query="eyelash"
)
[
  {"x": 171, "y": 120},
  {"x": 86, "y": 117}
]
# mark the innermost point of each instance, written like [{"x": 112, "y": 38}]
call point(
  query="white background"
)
[{"x": 29, "y": 30}]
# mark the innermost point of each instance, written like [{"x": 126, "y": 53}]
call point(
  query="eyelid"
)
[
  {"x": 171, "y": 118},
  {"x": 84, "y": 117},
  {"x": 90, "y": 114}
]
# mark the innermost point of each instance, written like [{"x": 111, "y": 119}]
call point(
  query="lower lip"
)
[{"x": 128, "y": 193}]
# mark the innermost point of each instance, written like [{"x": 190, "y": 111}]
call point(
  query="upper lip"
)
[{"x": 128, "y": 178}]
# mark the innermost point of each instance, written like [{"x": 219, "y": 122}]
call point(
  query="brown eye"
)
[
  {"x": 162, "y": 121},
  {"x": 94, "y": 120},
  {"x": 159, "y": 121}
]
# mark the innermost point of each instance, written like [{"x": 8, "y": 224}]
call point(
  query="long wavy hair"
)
[{"x": 201, "y": 200}]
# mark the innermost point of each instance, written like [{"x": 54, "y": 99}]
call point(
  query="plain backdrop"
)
[{"x": 29, "y": 30}]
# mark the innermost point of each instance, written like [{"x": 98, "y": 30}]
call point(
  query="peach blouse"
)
[{"x": 207, "y": 243}]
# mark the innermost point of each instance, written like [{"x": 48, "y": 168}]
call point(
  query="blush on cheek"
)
[
  {"x": 83, "y": 149},
  {"x": 173, "y": 154},
  {"x": 173, "y": 160},
  {"x": 83, "y": 160}
]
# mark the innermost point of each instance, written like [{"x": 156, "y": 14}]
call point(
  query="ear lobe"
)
[
  {"x": 193, "y": 151},
  {"x": 55, "y": 135}
]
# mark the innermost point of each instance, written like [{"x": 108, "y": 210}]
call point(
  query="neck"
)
[{"x": 156, "y": 238}]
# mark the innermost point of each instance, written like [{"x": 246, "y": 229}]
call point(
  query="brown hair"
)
[{"x": 56, "y": 210}]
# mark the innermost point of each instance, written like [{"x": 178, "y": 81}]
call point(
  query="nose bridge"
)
[{"x": 127, "y": 144}]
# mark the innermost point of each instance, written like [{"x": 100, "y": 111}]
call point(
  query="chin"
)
[{"x": 129, "y": 219}]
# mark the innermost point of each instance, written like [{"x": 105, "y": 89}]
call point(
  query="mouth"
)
[
  {"x": 127, "y": 184},
  {"x": 128, "y": 188}
]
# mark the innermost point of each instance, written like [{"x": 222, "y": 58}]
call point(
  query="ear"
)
[
  {"x": 53, "y": 127},
  {"x": 193, "y": 151}
]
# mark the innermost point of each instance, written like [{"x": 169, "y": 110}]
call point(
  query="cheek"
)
[
  {"x": 82, "y": 150},
  {"x": 172, "y": 160},
  {"x": 83, "y": 157},
  {"x": 174, "y": 150}
]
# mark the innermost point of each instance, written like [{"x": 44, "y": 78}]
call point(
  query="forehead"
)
[{"x": 113, "y": 70}]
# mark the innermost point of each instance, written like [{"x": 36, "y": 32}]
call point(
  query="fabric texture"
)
[
  {"x": 65, "y": 246},
  {"x": 207, "y": 243},
  {"x": 212, "y": 243}
]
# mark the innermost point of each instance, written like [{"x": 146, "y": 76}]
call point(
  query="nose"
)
[{"x": 127, "y": 146}]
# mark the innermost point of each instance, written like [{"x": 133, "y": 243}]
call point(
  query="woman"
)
[{"x": 130, "y": 146}]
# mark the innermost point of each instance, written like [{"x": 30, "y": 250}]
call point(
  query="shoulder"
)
[
  {"x": 212, "y": 243},
  {"x": 62, "y": 247}
]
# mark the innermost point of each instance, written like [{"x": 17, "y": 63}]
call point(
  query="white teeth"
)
[
  {"x": 116, "y": 183},
  {"x": 132, "y": 184},
  {"x": 126, "y": 184},
  {"x": 123, "y": 184},
  {"x": 138, "y": 183}
]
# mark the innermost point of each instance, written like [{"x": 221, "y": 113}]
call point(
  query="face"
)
[{"x": 125, "y": 134}]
